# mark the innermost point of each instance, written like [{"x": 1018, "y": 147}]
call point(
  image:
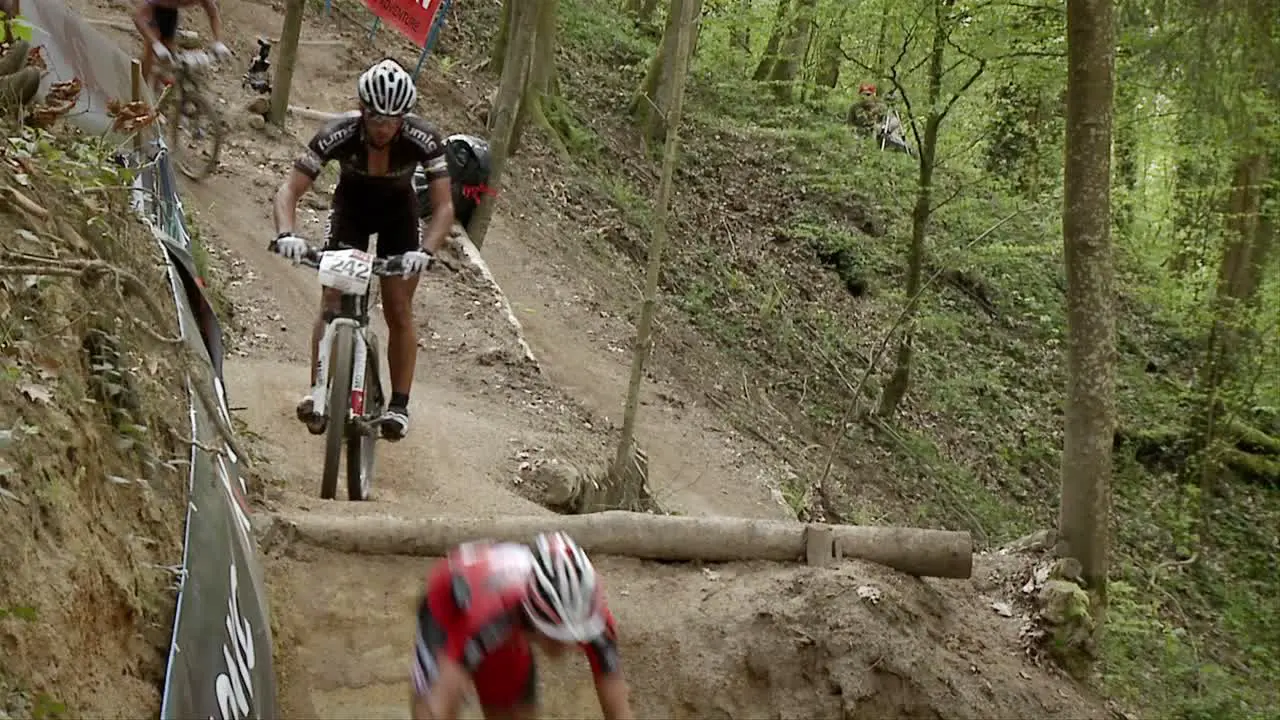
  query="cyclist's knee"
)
[{"x": 398, "y": 312}]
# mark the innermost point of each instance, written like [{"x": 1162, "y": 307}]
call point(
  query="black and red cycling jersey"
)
[{"x": 471, "y": 612}]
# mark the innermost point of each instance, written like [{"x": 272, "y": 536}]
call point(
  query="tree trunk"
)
[
  {"x": 624, "y": 473},
  {"x": 830, "y": 52},
  {"x": 786, "y": 68},
  {"x": 1085, "y": 512},
  {"x": 919, "y": 552},
  {"x": 652, "y": 103},
  {"x": 541, "y": 103},
  {"x": 1239, "y": 278},
  {"x": 900, "y": 381},
  {"x": 882, "y": 39},
  {"x": 770, "y": 55},
  {"x": 499, "y": 53},
  {"x": 506, "y": 107}
]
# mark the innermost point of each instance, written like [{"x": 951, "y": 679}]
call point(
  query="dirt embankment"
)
[{"x": 93, "y": 409}]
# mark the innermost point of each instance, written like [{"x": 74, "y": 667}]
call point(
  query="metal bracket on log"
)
[{"x": 820, "y": 546}]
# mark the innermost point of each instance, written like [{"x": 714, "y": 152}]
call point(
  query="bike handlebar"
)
[{"x": 391, "y": 266}]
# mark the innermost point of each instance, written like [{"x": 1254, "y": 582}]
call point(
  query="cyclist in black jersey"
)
[{"x": 377, "y": 149}]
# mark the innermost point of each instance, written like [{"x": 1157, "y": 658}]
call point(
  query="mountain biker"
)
[
  {"x": 157, "y": 20},
  {"x": 377, "y": 148},
  {"x": 484, "y": 607}
]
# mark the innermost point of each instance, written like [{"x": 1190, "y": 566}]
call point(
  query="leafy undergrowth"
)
[
  {"x": 92, "y": 413},
  {"x": 785, "y": 269}
]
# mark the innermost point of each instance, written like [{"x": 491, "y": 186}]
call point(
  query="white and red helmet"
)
[{"x": 564, "y": 598}]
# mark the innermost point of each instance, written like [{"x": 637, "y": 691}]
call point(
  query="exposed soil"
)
[
  {"x": 728, "y": 641},
  {"x": 93, "y": 471}
]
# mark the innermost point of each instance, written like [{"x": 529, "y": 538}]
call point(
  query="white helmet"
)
[
  {"x": 387, "y": 88},
  {"x": 563, "y": 601}
]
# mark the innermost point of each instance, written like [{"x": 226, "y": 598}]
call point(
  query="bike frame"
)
[{"x": 353, "y": 313}]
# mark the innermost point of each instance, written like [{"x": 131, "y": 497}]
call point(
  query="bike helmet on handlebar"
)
[
  {"x": 387, "y": 89},
  {"x": 564, "y": 598}
]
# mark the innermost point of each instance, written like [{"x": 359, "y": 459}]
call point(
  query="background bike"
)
[
  {"x": 348, "y": 392},
  {"x": 193, "y": 125}
]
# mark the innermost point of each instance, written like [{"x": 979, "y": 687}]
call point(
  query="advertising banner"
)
[{"x": 413, "y": 18}]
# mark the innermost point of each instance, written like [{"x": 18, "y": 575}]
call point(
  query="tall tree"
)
[
  {"x": 540, "y": 101},
  {"x": 628, "y": 476},
  {"x": 652, "y": 103},
  {"x": 795, "y": 46},
  {"x": 899, "y": 382},
  {"x": 1085, "y": 512},
  {"x": 771, "y": 47},
  {"x": 511, "y": 89}
]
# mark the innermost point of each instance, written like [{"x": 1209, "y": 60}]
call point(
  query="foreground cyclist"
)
[
  {"x": 377, "y": 149},
  {"x": 157, "y": 20},
  {"x": 484, "y": 606}
]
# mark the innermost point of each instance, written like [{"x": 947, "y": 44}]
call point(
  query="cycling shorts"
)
[
  {"x": 166, "y": 21},
  {"x": 506, "y": 678},
  {"x": 391, "y": 212}
]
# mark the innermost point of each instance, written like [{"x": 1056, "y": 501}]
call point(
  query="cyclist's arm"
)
[
  {"x": 215, "y": 18},
  {"x": 142, "y": 21},
  {"x": 299, "y": 180},
  {"x": 286, "y": 206},
  {"x": 614, "y": 696},
  {"x": 446, "y": 695},
  {"x": 606, "y": 666}
]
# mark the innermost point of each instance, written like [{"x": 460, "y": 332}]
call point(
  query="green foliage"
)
[{"x": 806, "y": 276}]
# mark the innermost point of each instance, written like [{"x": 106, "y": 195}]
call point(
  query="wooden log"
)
[
  {"x": 819, "y": 545},
  {"x": 925, "y": 553},
  {"x": 915, "y": 551}
]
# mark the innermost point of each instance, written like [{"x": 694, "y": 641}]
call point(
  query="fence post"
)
[
  {"x": 135, "y": 76},
  {"x": 437, "y": 25},
  {"x": 288, "y": 58}
]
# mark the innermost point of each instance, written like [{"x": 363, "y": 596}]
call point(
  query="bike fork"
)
[
  {"x": 361, "y": 348},
  {"x": 320, "y": 390}
]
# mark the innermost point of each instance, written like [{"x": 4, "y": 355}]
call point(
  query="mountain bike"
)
[
  {"x": 351, "y": 390},
  {"x": 187, "y": 108}
]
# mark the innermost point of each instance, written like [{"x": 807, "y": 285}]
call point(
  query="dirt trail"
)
[{"x": 749, "y": 640}]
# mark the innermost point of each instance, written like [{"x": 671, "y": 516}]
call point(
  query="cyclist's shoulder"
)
[
  {"x": 422, "y": 134},
  {"x": 344, "y": 128}
]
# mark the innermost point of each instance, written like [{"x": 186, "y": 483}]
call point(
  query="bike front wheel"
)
[
  {"x": 362, "y": 436},
  {"x": 338, "y": 408},
  {"x": 195, "y": 133}
]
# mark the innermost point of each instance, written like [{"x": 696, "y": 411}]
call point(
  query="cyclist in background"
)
[
  {"x": 157, "y": 20},
  {"x": 377, "y": 148},
  {"x": 486, "y": 604}
]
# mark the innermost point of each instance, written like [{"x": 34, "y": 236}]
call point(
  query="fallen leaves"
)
[
  {"x": 35, "y": 58},
  {"x": 57, "y": 102},
  {"x": 131, "y": 116}
]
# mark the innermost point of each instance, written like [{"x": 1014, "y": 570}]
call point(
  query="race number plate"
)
[{"x": 346, "y": 271}]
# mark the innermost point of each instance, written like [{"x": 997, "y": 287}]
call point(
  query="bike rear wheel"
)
[
  {"x": 362, "y": 436},
  {"x": 338, "y": 408},
  {"x": 195, "y": 132}
]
